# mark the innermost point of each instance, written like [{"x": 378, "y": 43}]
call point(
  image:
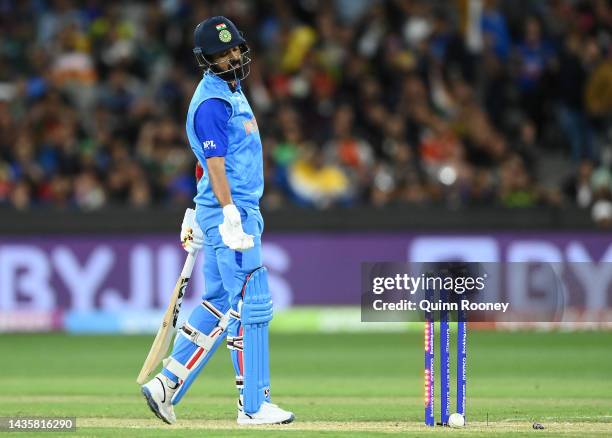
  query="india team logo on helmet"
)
[{"x": 224, "y": 34}]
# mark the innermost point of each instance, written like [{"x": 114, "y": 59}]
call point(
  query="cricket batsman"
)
[{"x": 224, "y": 136}]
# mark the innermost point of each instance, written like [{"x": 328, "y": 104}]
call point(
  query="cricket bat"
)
[{"x": 167, "y": 329}]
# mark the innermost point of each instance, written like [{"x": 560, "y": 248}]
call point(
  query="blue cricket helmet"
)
[{"x": 216, "y": 35}]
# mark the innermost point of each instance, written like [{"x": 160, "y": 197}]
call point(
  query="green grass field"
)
[{"x": 337, "y": 385}]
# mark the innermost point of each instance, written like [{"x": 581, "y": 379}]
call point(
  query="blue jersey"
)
[{"x": 233, "y": 134}]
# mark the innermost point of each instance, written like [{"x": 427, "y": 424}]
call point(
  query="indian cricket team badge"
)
[{"x": 224, "y": 35}]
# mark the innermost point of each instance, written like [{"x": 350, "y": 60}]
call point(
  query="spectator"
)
[
  {"x": 571, "y": 83},
  {"x": 534, "y": 57}
]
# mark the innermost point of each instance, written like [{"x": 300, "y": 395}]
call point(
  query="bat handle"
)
[{"x": 188, "y": 266}]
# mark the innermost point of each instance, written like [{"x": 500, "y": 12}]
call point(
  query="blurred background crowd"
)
[{"x": 358, "y": 102}]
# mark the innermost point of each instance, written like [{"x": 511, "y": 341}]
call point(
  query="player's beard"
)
[{"x": 238, "y": 69}]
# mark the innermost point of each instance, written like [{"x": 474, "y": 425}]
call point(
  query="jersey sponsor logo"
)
[
  {"x": 209, "y": 144},
  {"x": 250, "y": 126}
]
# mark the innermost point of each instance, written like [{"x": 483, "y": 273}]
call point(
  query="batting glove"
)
[
  {"x": 231, "y": 230},
  {"x": 192, "y": 237}
]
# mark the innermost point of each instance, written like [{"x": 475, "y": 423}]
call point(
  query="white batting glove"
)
[
  {"x": 231, "y": 230},
  {"x": 192, "y": 237}
]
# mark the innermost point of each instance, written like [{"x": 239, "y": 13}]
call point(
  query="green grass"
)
[{"x": 341, "y": 384}]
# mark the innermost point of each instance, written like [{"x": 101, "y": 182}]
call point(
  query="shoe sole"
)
[
  {"x": 249, "y": 421},
  {"x": 152, "y": 405}
]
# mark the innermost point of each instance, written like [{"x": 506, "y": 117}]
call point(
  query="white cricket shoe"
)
[
  {"x": 158, "y": 392},
  {"x": 268, "y": 413}
]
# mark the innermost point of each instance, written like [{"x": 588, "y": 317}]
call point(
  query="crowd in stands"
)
[{"x": 358, "y": 102}]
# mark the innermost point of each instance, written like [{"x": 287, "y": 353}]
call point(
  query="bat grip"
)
[{"x": 188, "y": 266}]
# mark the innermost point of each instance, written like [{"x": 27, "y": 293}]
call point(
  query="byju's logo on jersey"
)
[{"x": 209, "y": 145}]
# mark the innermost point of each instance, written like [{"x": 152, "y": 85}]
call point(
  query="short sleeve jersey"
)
[{"x": 221, "y": 123}]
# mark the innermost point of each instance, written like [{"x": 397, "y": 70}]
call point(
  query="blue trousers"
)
[{"x": 225, "y": 272}]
